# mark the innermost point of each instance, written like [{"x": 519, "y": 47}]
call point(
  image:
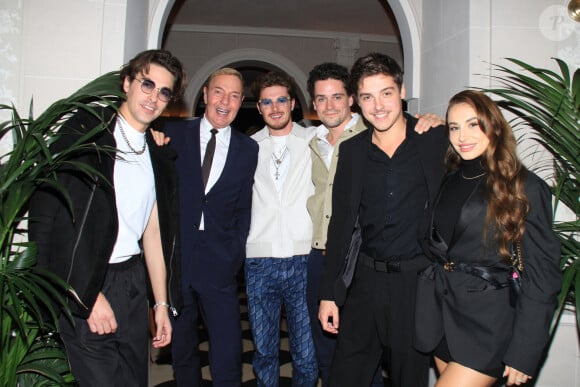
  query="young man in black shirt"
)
[{"x": 385, "y": 180}]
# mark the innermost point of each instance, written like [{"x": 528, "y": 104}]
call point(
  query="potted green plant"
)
[
  {"x": 547, "y": 103},
  {"x": 30, "y": 351}
]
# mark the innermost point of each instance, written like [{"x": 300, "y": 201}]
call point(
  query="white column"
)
[{"x": 346, "y": 50}]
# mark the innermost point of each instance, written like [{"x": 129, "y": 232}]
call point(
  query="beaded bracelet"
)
[{"x": 161, "y": 303}]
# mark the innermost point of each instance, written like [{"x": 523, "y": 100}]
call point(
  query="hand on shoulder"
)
[{"x": 427, "y": 121}]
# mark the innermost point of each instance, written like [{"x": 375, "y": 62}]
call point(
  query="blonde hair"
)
[{"x": 225, "y": 71}]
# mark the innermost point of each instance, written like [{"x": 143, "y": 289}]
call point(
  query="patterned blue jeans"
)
[{"x": 271, "y": 282}]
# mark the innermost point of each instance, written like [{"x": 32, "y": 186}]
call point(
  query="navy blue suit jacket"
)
[{"x": 217, "y": 253}]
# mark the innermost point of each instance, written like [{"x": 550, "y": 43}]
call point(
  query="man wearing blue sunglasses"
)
[{"x": 280, "y": 234}]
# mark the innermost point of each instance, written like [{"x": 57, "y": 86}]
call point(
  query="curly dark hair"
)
[
  {"x": 273, "y": 78},
  {"x": 373, "y": 64},
  {"x": 140, "y": 64},
  {"x": 508, "y": 204},
  {"x": 326, "y": 71}
]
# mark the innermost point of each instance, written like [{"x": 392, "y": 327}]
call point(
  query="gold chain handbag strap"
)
[{"x": 517, "y": 258}]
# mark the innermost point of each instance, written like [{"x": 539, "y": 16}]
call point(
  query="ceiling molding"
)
[{"x": 240, "y": 30}]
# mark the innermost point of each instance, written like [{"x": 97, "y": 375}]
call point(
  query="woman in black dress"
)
[{"x": 490, "y": 210}]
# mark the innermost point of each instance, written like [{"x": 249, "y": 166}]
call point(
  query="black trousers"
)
[
  {"x": 324, "y": 342},
  {"x": 120, "y": 358},
  {"x": 377, "y": 317}
]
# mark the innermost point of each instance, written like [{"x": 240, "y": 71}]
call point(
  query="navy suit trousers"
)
[{"x": 210, "y": 291}]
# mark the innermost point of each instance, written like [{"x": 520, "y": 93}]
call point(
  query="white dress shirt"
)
[{"x": 223, "y": 137}]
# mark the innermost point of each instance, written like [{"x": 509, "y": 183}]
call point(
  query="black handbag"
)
[
  {"x": 342, "y": 283},
  {"x": 515, "y": 273},
  {"x": 352, "y": 255}
]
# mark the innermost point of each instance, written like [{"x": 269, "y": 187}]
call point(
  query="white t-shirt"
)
[{"x": 134, "y": 190}]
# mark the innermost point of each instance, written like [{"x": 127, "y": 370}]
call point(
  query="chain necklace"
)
[
  {"x": 473, "y": 177},
  {"x": 278, "y": 160},
  {"x": 137, "y": 152}
]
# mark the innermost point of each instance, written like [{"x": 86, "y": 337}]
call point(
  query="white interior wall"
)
[
  {"x": 50, "y": 48},
  {"x": 445, "y": 52},
  {"x": 10, "y": 59},
  {"x": 65, "y": 44},
  {"x": 461, "y": 38},
  {"x": 136, "y": 30}
]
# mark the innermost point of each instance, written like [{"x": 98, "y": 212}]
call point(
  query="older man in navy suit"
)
[{"x": 216, "y": 166}]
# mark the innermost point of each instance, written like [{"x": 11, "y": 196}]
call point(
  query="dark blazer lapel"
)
[
  {"x": 360, "y": 156},
  {"x": 109, "y": 141},
  {"x": 353, "y": 154},
  {"x": 431, "y": 148},
  {"x": 192, "y": 136},
  {"x": 473, "y": 208},
  {"x": 231, "y": 160},
  {"x": 428, "y": 159},
  {"x": 437, "y": 245}
]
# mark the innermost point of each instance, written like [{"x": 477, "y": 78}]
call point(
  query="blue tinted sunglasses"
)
[{"x": 267, "y": 102}]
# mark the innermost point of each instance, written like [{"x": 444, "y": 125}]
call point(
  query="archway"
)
[
  {"x": 247, "y": 119},
  {"x": 405, "y": 18},
  {"x": 263, "y": 58},
  {"x": 158, "y": 22},
  {"x": 411, "y": 41}
]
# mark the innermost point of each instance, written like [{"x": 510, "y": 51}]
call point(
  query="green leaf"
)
[
  {"x": 27, "y": 357},
  {"x": 547, "y": 104}
]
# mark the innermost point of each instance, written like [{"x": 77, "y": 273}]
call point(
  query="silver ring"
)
[{"x": 522, "y": 380}]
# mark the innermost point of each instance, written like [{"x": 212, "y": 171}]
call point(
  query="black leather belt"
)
[
  {"x": 394, "y": 264},
  {"x": 497, "y": 276}
]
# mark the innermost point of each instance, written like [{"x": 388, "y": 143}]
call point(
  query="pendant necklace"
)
[
  {"x": 278, "y": 161},
  {"x": 473, "y": 177},
  {"x": 137, "y": 152}
]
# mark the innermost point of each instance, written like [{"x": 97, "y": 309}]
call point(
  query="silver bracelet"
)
[{"x": 161, "y": 303}]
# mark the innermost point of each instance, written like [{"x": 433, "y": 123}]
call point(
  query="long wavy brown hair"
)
[{"x": 507, "y": 201}]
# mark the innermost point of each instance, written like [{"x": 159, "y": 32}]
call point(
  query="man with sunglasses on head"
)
[
  {"x": 216, "y": 165},
  {"x": 123, "y": 228},
  {"x": 280, "y": 234}
]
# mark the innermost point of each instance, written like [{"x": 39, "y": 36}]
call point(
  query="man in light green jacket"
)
[{"x": 327, "y": 86}]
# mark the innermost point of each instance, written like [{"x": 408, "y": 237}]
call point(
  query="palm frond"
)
[
  {"x": 547, "y": 104},
  {"x": 32, "y": 297}
]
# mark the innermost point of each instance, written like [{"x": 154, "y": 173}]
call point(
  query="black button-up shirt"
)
[{"x": 393, "y": 198}]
